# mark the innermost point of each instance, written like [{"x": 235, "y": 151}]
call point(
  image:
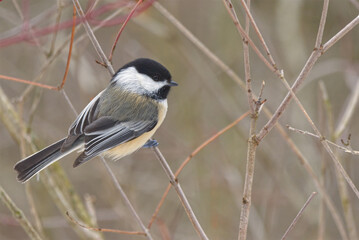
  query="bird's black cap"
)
[{"x": 151, "y": 68}]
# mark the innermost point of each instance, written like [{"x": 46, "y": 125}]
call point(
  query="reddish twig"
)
[
  {"x": 122, "y": 28},
  {"x": 91, "y": 17},
  {"x": 46, "y": 86},
  {"x": 186, "y": 161},
  {"x": 28, "y": 82},
  {"x": 70, "y": 49},
  {"x": 104, "y": 229}
]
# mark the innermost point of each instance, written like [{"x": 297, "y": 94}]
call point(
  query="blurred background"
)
[{"x": 206, "y": 101}]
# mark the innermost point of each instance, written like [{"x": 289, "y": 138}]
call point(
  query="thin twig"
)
[
  {"x": 66, "y": 70},
  {"x": 122, "y": 28},
  {"x": 103, "y": 229},
  {"x": 70, "y": 50},
  {"x": 291, "y": 226},
  {"x": 318, "y": 41},
  {"x": 340, "y": 34},
  {"x": 93, "y": 38},
  {"x": 17, "y": 7},
  {"x": 181, "y": 195},
  {"x": 345, "y": 149},
  {"x": 186, "y": 161},
  {"x": 337, "y": 164},
  {"x": 303, "y": 74},
  {"x": 247, "y": 68},
  {"x": 229, "y": 6},
  {"x": 125, "y": 198},
  {"x": 259, "y": 34},
  {"x": 28, "y": 82},
  {"x": 19, "y": 215}
]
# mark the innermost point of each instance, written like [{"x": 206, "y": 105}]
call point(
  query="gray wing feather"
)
[
  {"x": 85, "y": 117},
  {"x": 77, "y": 128},
  {"x": 99, "y": 139}
]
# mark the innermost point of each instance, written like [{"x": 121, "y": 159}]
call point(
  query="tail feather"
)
[{"x": 33, "y": 164}]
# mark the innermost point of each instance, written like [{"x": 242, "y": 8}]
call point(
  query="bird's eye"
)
[{"x": 156, "y": 77}]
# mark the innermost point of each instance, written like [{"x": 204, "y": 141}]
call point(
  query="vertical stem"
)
[{"x": 247, "y": 192}]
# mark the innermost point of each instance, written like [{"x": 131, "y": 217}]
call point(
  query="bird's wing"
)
[
  {"x": 106, "y": 133},
  {"x": 77, "y": 128}
]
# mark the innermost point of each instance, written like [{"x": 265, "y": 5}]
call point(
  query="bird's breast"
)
[{"x": 129, "y": 147}]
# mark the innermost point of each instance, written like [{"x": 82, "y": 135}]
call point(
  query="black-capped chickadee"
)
[{"x": 118, "y": 121}]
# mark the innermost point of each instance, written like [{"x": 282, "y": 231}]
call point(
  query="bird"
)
[{"x": 118, "y": 121}]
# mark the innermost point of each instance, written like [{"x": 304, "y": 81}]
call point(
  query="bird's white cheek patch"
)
[{"x": 147, "y": 83}]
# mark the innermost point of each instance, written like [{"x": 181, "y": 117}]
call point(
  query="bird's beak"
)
[{"x": 172, "y": 84}]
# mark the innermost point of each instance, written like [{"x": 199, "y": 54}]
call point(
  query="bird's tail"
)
[{"x": 33, "y": 164}]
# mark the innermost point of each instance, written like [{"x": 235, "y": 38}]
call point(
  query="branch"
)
[
  {"x": 303, "y": 74},
  {"x": 103, "y": 229},
  {"x": 181, "y": 195},
  {"x": 66, "y": 69},
  {"x": 122, "y": 28},
  {"x": 318, "y": 41},
  {"x": 291, "y": 226},
  {"x": 345, "y": 149},
  {"x": 93, "y": 38},
  {"x": 19, "y": 215},
  {"x": 127, "y": 201},
  {"x": 229, "y": 6}
]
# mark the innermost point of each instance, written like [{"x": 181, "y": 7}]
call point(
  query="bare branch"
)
[
  {"x": 345, "y": 149},
  {"x": 292, "y": 225},
  {"x": 181, "y": 195},
  {"x": 229, "y": 6},
  {"x": 340, "y": 34},
  {"x": 127, "y": 201},
  {"x": 93, "y": 38},
  {"x": 318, "y": 41},
  {"x": 303, "y": 74},
  {"x": 19, "y": 215},
  {"x": 259, "y": 34},
  {"x": 122, "y": 28},
  {"x": 103, "y": 229},
  {"x": 337, "y": 164}
]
